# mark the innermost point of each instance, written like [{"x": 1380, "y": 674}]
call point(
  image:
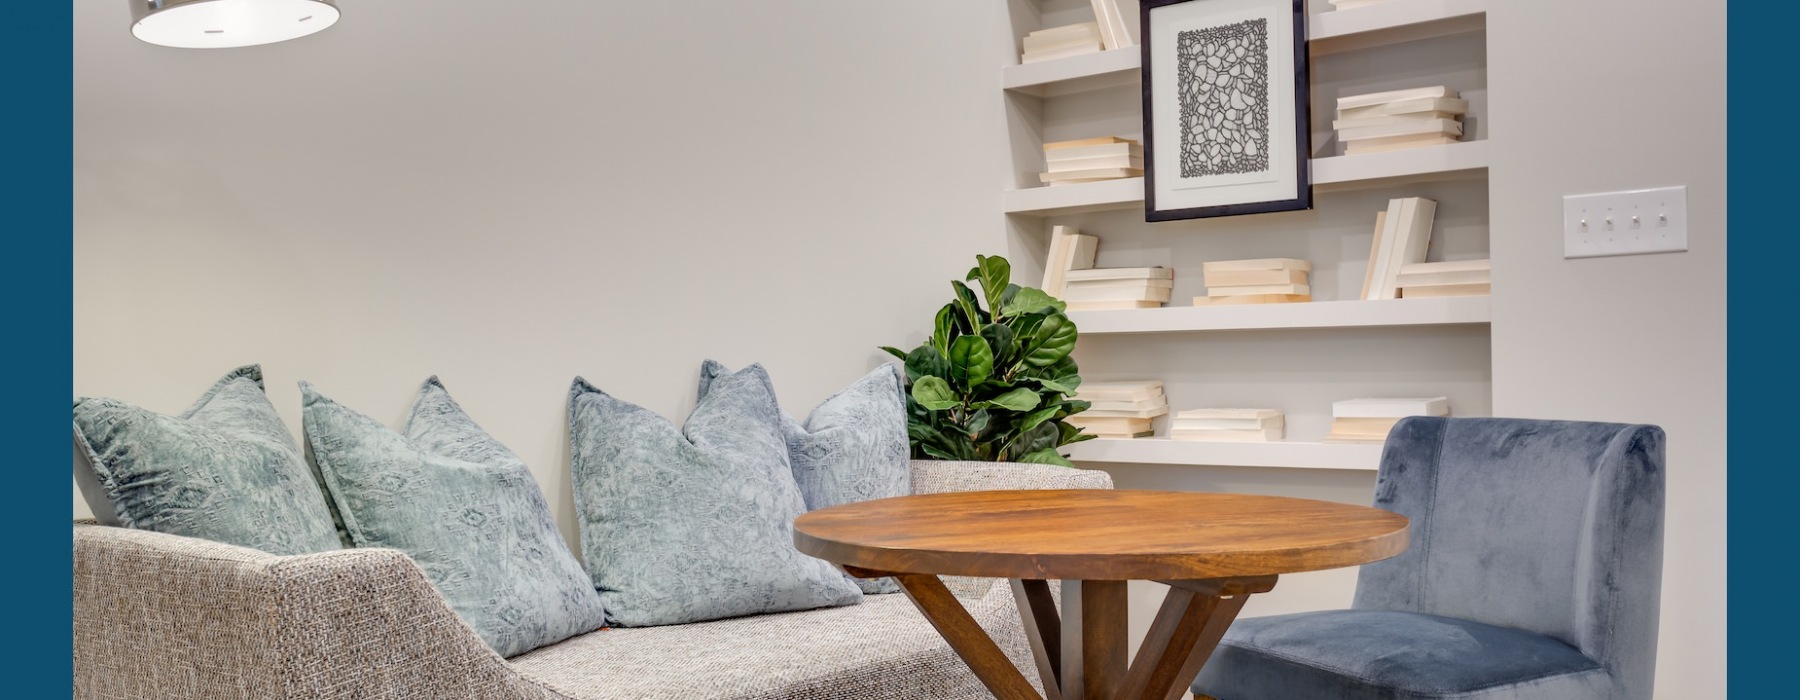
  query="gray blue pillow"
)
[
  {"x": 226, "y": 470},
  {"x": 853, "y": 446},
  {"x": 464, "y": 507},
  {"x": 691, "y": 524}
]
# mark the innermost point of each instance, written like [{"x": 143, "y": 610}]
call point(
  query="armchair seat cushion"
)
[{"x": 1370, "y": 654}]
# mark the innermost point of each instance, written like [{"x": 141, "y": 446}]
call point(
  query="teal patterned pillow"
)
[
  {"x": 852, "y": 447},
  {"x": 697, "y": 523},
  {"x": 464, "y": 507},
  {"x": 226, "y": 470}
]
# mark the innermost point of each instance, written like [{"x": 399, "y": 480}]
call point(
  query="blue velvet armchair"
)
[{"x": 1534, "y": 571}]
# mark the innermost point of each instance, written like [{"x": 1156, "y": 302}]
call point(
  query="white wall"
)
[
  {"x": 512, "y": 194},
  {"x": 1616, "y": 95}
]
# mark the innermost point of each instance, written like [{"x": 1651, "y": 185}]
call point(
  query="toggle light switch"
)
[{"x": 1625, "y": 223}]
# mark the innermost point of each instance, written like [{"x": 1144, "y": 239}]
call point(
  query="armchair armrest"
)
[{"x": 162, "y": 616}]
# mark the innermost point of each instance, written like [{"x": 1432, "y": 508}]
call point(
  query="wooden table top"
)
[{"x": 1099, "y": 534}]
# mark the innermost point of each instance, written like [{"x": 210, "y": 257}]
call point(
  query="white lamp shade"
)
[{"x": 207, "y": 24}]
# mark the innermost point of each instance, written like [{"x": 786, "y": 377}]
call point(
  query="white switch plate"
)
[{"x": 1625, "y": 223}]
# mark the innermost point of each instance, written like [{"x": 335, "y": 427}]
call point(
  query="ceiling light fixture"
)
[{"x": 217, "y": 24}]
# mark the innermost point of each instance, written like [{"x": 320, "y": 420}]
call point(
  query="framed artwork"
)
[{"x": 1225, "y": 108}]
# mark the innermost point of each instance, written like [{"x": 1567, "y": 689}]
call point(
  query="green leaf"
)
[
  {"x": 934, "y": 393},
  {"x": 1047, "y": 455},
  {"x": 926, "y": 362},
  {"x": 978, "y": 422},
  {"x": 945, "y": 329},
  {"x": 1029, "y": 300},
  {"x": 995, "y": 274},
  {"x": 1006, "y": 297},
  {"x": 1045, "y": 435},
  {"x": 973, "y": 317},
  {"x": 971, "y": 361},
  {"x": 1073, "y": 407},
  {"x": 935, "y": 452},
  {"x": 1063, "y": 377},
  {"x": 1054, "y": 340},
  {"x": 1020, "y": 399},
  {"x": 1038, "y": 417},
  {"x": 1000, "y": 340},
  {"x": 1083, "y": 437},
  {"x": 894, "y": 351},
  {"x": 1024, "y": 326}
]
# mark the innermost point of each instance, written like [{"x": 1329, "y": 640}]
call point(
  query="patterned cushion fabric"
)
[
  {"x": 461, "y": 505},
  {"x": 693, "y": 524},
  {"x": 225, "y": 470},
  {"x": 852, "y": 447}
]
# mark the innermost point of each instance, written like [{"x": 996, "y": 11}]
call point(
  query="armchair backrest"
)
[{"x": 1555, "y": 527}]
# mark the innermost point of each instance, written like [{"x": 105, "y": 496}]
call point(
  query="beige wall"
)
[{"x": 1615, "y": 95}]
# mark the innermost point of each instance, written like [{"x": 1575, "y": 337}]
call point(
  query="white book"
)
[
  {"x": 1256, "y": 264},
  {"x": 1180, "y": 423},
  {"x": 1422, "y": 127},
  {"x": 1231, "y": 413},
  {"x": 1447, "y": 290},
  {"x": 1122, "y": 273},
  {"x": 1363, "y": 148},
  {"x": 1445, "y": 105},
  {"x": 1098, "y": 151},
  {"x": 1404, "y": 240},
  {"x": 1259, "y": 289},
  {"x": 1137, "y": 284},
  {"x": 1046, "y": 47},
  {"x": 1087, "y": 294},
  {"x": 1077, "y": 28},
  {"x": 1447, "y": 266},
  {"x": 1144, "y": 413},
  {"x": 1112, "y": 24},
  {"x": 1134, "y": 405},
  {"x": 1053, "y": 54},
  {"x": 1092, "y": 174},
  {"x": 1052, "y": 146},
  {"x": 1374, "y": 249},
  {"x": 1055, "y": 36},
  {"x": 1376, "y": 98},
  {"x": 1421, "y": 278},
  {"x": 1069, "y": 250},
  {"x": 1390, "y": 408},
  {"x": 1111, "y": 305},
  {"x": 1387, "y": 119},
  {"x": 1151, "y": 387},
  {"x": 1256, "y": 435},
  {"x": 1060, "y": 165},
  {"x": 1239, "y": 278}
]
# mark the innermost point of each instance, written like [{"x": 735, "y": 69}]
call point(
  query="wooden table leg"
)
[
  {"x": 1193, "y": 618},
  {"x": 966, "y": 637},
  {"x": 1095, "y": 613},
  {"x": 1043, "y": 628}
]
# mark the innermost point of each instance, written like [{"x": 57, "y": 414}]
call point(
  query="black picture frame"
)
[{"x": 1183, "y": 192}]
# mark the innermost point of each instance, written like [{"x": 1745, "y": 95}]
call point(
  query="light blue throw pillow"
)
[
  {"x": 684, "y": 525},
  {"x": 464, "y": 507},
  {"x": 853, "y": 446},
  {"x": 226, "y": 470}
]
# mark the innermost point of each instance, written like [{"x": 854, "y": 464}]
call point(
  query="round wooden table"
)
[{"x": 1213, "y": 549}]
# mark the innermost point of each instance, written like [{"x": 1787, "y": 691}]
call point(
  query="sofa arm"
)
[
  {"x": 931, "y": 476},
  {"x": 162, "y": 616}
]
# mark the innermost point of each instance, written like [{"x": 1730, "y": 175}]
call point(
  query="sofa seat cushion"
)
[
  {"x": 881, "y": 649},
  {"x": 1371, "y": 654}
]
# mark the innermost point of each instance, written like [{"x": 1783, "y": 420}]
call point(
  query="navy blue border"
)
[
  {"x": 36, "y": 283},
  {"x": 1761, "y": 250}
]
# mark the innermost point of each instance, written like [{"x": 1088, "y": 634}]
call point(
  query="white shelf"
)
[
  {"x": 1393, "y": 22},
  {"x": 1064, "y": 76},
  {"x": 1463, "y": 159},
  {"x": 1294, "y": 455},
  {"x": 1314, "y": 314}
]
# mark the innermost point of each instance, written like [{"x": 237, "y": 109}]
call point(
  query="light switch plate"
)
[{"x": 1625, "y": 223}]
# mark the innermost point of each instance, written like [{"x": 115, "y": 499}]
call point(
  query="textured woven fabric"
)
[
  {"x": 852, "y": 447},
  {"x": 933, "y": 476},
  {"x": 464, "y": 507},
  {"x": 694, "y": 524},
  {"x": 225, "y": 470}
]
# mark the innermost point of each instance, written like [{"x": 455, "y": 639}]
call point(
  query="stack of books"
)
[
  {"x": 1070, "y": 250},
  {"x": 1092, "y": 160},
  {"x": 1120, "y": 409},
  {"x": 1108, "y": 288},
  {"x": 1370, "y": 420},
  {"x": 1402, "y": 235},
  {"x": 1353, "y": 4},
  {"x": 1389, "y": 121},
  {"x": 1457, "y": 278},
  {"x": 1228, "y": 425},
  {"x": 1260, "y": 281},
  {"x": 1061, "y": 42}
]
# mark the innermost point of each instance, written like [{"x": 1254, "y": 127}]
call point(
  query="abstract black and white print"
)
[{"x": 1223, "y": 83}]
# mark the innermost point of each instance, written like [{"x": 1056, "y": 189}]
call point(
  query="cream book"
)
[
  {"x": 1092, "y": 174},
  {"x": 1075, "y": 294},
  {"x": 1057, "y": 37},
  {"x": 1389, "y": 120},
  {"x": 1405, "y": 234},
  {"x": 1053, "y": 54},
  {"x": 1256, "y": 264},
  {"x": 1244, "y": 278},
  {"x": 1257, "y": 414},
  {"x": 1390, "y": 408},
  {"x": 1445, "y": 105},
  {"x": 1438, "y": 274},
  {"x": 1423, "y": 127},
  {"x": 1137, "y": 405},
  {"x": 1243, "y": 299},
  {"x": 1112, "y": 425},
  {"x": 1374, "y": 249},
  {"x": 1252, "y": 290},
  {"x": 1180, "y": 423},
  {"x": 1118, "y": 391},
  {"x": 1446, "y": 290},
  {"x": 1140, "y": 284},
  {"x": 1081, "y": 143},
  {"x": 1069, "y": 250},
  {"x": 1112, "y": 305},
  {"x": 1100, "y": 151},
  {"x": 1060, "y": 165},
  {"x": 1363, "y": 148},
  {"x": 1145, "y": 413},
  {"x": 1248, "y": 435},
  {"x": 1112, "y": 24},
  {"x": 1121, "y": 273},
  {"x": 1377, "y": 98}
]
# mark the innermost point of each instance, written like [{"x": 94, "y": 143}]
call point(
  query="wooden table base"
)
[{"x": 1081, "y": 652}]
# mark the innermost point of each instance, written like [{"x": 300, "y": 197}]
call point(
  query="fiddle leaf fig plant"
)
[{"x": 992, "y": 383}]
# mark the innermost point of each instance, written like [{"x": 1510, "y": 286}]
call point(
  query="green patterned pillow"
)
[
  {"x": 683, "y": 525},
  {"x": 225, "y": 470},
  {"x": 464, "y": 507},
  {"x": 853, "y": 446}
]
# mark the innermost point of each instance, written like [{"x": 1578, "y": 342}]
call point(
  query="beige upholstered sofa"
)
[{"x": 160, "y": 616}]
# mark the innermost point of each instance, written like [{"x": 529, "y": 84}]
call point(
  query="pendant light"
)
[{"x": 210, "y": 24}]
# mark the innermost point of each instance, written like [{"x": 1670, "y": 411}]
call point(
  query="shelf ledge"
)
[
  {"x": 1312, "y": 314},
  {"x": 1393, "y": 22},
  {"x": 1289, "y": 455},
  {"x": 1067, "y": 76}
]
